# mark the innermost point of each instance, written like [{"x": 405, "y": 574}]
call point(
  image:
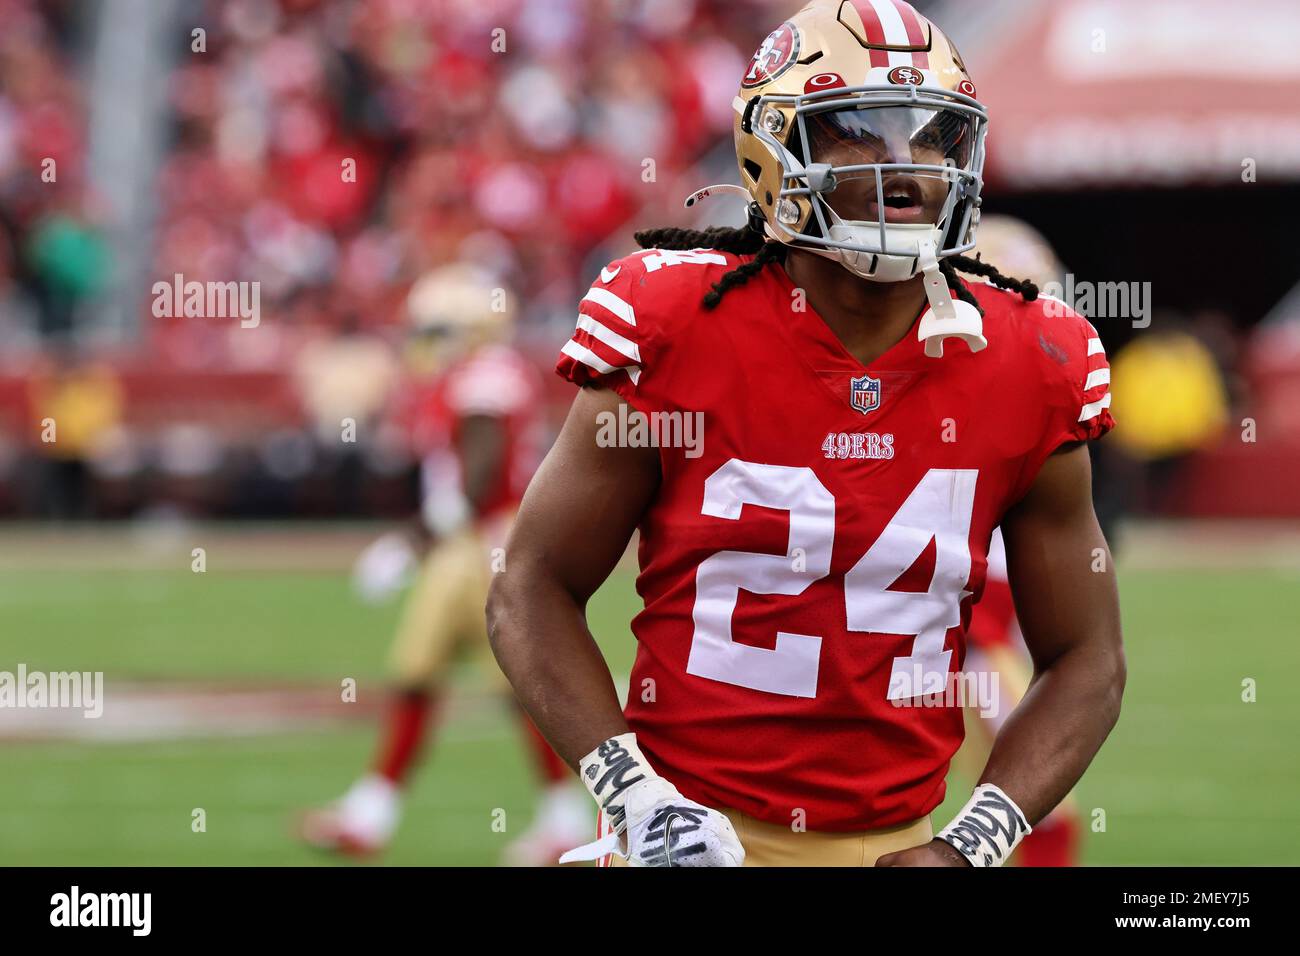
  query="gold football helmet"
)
[
  {"x": 859, "y": 138},
  {"x": 875, "y": 76},
  {"x": 452, "y": 311}
]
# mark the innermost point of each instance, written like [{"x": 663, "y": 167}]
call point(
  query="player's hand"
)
[
  {"x": 384, "y": 567},
  {"x": 666, "y": 829},
  {"x": 663, "y": 828},
  {"x": 934, "y": 853},
  {"x": 652, "y": 823}
]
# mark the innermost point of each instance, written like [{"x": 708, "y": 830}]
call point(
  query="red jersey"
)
[
  {"x": 809, "y": 569},
  {"x": 494, "y": 381}
]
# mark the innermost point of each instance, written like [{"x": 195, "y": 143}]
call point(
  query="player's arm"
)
[
  {"x": 387, "y": 563},
  {"x": 482, "y": 441},
  {"x": 573, "y": 525},
  {"x": 482, "y": 445},
  {"x": 1063, "y": 580}
]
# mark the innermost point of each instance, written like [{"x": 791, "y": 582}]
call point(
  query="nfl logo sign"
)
[{"x": 864, "y": 393}]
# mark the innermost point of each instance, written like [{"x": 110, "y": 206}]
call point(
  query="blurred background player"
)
[
  {"x": 993, "y": 642},
  {"x": 471, "y": 412}
]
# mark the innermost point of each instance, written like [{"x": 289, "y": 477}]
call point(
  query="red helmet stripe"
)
[
  {"x": 875, "y": 30},
  {"x": 915, "y": 33}
]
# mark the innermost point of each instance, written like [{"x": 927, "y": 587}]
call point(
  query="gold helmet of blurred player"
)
[
  {"x": 871, "y": 98},
  {"x": 453, "y": 310},
  {"x": 1019, "y": 249}
]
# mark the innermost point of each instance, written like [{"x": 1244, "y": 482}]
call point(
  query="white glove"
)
[
  {"x": 383, "y": 568},
  {"x": 659, "y": 825}
]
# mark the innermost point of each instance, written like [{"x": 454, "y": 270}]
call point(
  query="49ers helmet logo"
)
[
  {"x": 906, "y": 76},
  {"x": 779, "y": 50}
]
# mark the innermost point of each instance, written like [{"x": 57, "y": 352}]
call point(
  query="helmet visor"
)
[
  {"x": 891, "y": 134},
  {"x": 885, "y": 136}
]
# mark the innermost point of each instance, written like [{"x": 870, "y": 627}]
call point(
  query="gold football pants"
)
[
  {"x": 767, "y": 844},
  {"x": 443, "y": 616}
]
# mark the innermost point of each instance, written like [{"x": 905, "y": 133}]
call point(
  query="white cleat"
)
[
  {"x": 360, "y": 824},
  {"x": 563, "y": 819}
]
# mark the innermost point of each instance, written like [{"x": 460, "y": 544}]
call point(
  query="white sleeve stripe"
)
[
  {"x": 610, "y": 337},
  {"x": 587, "y": 357},
  {"x": 1098, "y": 376},
  {"x": 1093, "y": 409},
  {"x": 1095, "y": 347},
  {"x": 593, "y": 361},
  {"x": 611, "y": 302}
]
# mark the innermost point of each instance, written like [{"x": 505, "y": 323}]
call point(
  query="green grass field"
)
[{"x": 1192, "y": 775}]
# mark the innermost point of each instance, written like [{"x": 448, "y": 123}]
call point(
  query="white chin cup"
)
[
  {"x": 867, "y": 261},
  {"x": 947, "y": 318}
]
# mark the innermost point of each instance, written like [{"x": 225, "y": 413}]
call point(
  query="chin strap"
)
[{"x": 946, "y": 317}]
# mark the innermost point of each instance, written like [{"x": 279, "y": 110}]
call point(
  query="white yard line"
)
[{"x": 162, "y": 711}]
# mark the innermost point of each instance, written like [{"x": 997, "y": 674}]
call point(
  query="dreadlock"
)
[
  {"x": 741, "y": 242},
  {"x": 750, "y": 241},
  {"x": 977, "y": 266}
]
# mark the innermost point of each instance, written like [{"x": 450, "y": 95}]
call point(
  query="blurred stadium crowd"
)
[
  {"x": 333, "y": 152},
  {"x": 527, "y": 153}
]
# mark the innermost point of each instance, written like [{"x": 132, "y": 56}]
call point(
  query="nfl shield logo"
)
[{"x": 864, "y": 393}]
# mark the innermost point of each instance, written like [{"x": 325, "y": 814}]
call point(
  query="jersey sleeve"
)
[
  {"x": 1085, "y": 396},
  {"x": 612, "y": 343},
  {"x": 1073, "y": 388}
]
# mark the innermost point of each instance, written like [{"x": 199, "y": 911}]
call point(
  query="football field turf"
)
[{"x": 1192, "y": 774}]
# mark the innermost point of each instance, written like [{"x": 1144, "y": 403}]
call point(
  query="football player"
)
[
  {"x": 478, "y": 430},
  {"x": 808, "y": 570}
]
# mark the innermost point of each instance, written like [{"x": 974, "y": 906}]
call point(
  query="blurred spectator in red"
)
[{"x": 390, "y": 136}]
